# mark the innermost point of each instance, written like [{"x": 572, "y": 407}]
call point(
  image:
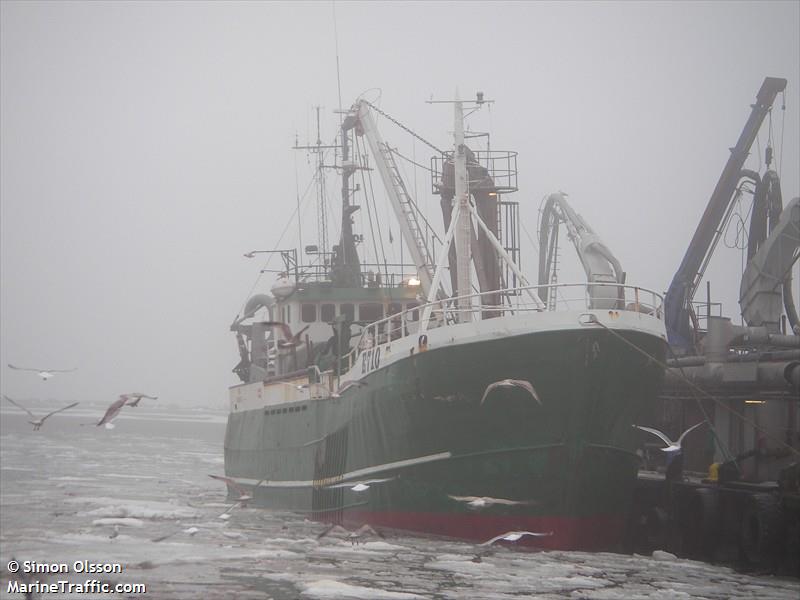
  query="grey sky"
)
[{"x": 146, "y": 146}]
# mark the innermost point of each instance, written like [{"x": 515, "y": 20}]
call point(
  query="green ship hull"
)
[{"x": 422, "y": 436}]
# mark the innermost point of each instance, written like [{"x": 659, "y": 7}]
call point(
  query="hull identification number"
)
[{"x": 370, "y": 360}]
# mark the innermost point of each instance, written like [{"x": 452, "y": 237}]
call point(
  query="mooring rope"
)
[{"x": 701, "y": 390}]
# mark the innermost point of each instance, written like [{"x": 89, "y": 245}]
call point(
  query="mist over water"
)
[{"x": 64, "y": 488}]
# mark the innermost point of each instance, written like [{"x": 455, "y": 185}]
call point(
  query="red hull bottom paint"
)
[{"x": 569, "y": 533}]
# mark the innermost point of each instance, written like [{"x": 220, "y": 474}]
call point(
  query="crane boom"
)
[
  {"x": 401, "y": 201},
  {"x": 599, "y": 263},
  {"x": 679, "y": 295}
]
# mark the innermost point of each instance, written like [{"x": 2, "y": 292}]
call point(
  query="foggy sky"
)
[{"x": 145, "y": 146}]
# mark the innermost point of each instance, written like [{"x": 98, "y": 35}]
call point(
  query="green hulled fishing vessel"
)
[{"x": 399, "y": 396}]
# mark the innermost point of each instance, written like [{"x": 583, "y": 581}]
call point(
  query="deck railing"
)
[{"x": 522, "y": 300}]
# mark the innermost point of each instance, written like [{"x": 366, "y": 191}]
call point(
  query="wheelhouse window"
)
[
  {"x": 308, "y": 312},
  {"x": 414, "y": 314},
  {"x": 327, "y": 312},
  {"x": 348, "y": 311},
  {"x": 370, "y": 312}
]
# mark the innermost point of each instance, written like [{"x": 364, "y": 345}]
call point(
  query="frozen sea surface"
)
[{"x": 72, "y": 493}]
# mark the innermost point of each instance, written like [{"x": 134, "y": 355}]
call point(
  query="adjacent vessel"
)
[{"x": 410, "y": 399}]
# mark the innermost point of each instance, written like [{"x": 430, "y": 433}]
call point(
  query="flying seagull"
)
[
  {"x": 244, "y": 495},
  {"x": 112, "y": 412},
  {"x": 45, "y": 374},
  {"x": 671, "y": 446},
  {"x": 37, "y": 423},
  {"x": 355, "y": 537},
  {"x": 136, "y": 397},
  {"x": 478, "y": 502},
  {"x": 511, "y": 383},
  {"x": 316, "y": 390},
  {"x": 352, "y": 383},
  {"x": 513, "y": 536},
  {"x": 358, "y": 486},
  {"x": 292, "y": 340}
]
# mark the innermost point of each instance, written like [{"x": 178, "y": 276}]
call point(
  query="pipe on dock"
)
[
  {"x": 697, "y": 361},
  {"x": 776, "y": 375}
]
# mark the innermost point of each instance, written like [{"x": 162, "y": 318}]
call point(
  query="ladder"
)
[
  {"x": 551, "y": 294},
  {"x": 409, "y": 210}
]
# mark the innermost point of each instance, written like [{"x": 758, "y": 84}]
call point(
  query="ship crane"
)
[
  {"x": 766, "y": 282},
  {"x": 415, "y": 229},
  {"x": 603, "y": 271},
  {"x": 678, "y": 300}
]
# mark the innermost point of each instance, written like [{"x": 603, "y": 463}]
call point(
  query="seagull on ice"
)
[
  {"x": 478, "y": 502},
  {"x": 292, "y": 340},
  {"x": 136, "y": 397},
  {"x": 37, "y": 423},
  {"x": 511, "y": 383},
  {"x": 45, "y": 374},
  {"x": 671, "y": 446},
  {"x": 513, "y": 536},
  {"x": 189, "y": 531},
  {"x": 354, "y": 537}
]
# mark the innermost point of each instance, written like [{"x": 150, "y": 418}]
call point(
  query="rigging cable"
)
[
  {"x": 691, "y": 384},
  {"x": 401, "y": 126},
  {"x": 416, "y": 164},
  {"x": 758, "y": 153},
  {"x": 338, "y": 78},
  {"x": 371, "y": 196},
  {"x": 369, "y": 209},
  {"x": 297, "y": 194},
  {"x": 277, "y": 244},
  {"x": 783, "y": 125}
]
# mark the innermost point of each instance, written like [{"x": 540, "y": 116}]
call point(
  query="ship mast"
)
[
  {"x": 460, "y": 230},
  {"x": 464, "y": 217}
]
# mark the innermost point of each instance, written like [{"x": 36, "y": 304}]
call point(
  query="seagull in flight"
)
[
  {"x": 112, "y": 412},
  {"x": 671, "y": 446},
  {"x": 355, "y": 537},
  {"x": 45, "y": 374},
  {"x": 317, "y": 387},
  {"x": 136, "y": 397},
  {"x": 478, "y": 502},
  {"x": 37, "y": 423},
  {"x": 244, "y": 495},
  {"x": 358, "y": 486},
  {"x": 512, "y": 383},
  {"x": 291, "y": 340},
  {"x": 352, "y": 383},
  {"x": 513, "y": 536}
]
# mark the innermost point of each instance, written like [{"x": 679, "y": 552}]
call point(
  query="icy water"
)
[{"x": 65, "y": 488}]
